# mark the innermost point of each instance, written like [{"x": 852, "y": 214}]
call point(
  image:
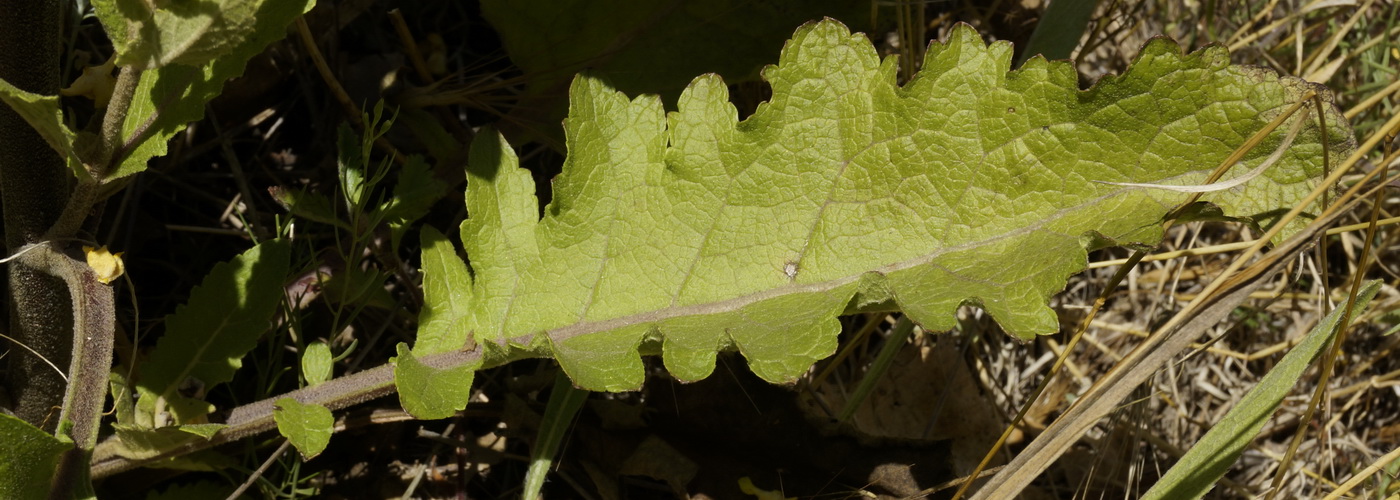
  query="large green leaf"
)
[
  {"x": 149, "y": 35},
  {"x": 170, "y": 96},
  {"x": 970, "y": 184},
  {"x": 28, "y": 459},
  {"x": 205, "y": 339},
  {"x": 43, "y": 113}
]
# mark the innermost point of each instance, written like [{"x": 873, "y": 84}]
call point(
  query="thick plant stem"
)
[
  {"x": 92, "y": 358},
  {"x": 34, "y": 189}
]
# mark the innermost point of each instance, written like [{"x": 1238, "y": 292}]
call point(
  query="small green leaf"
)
[
  {"x": 358, "y": 286},
  {"x": 350, "y": 163},
  {"x": 43, "y": 113},
  {"x": 27, "y": 459},
  {"x": 205, "y": 339},
  {"x": 307, "y": 205},
  {"x": 123, "y": 400},
  {"x": 141, "y": 443},
  {"x": 428, "y": 128},
  {"x": 441, "y": 325},
  {"x": 416, "y": 191},
  {"x": 316, "y": 363},
  {"x": 206, "y": 431},
  {"x": 1210, "y": 458},
  {"x": 501, "y": 212},
  {"x": 429, "y": 392},
  {"x": 307, "y": 426},
  {"x": 169, "y": 97}
]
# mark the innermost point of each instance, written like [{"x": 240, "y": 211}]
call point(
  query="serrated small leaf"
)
[
  {"x": 501, "y": 212},
  {"x": 1211, "y": 457},
  {"x": 307, "y": 426},
  {"x": 316, "y": 364},
  {"x": 206, "y": 431},
  {"x": 429, "y": 392},
  {"x": 415, "y": 192},
  {"x": 169, "y": 97},
  {"x": 307, "y": 205},
  {"x": 971, "y": 184},
  {"x": 428, "y": 128},
  {"x": 28, "y": 459},
  {"x": 206, "y": 338},
  {"x": 43, "y": 113}
]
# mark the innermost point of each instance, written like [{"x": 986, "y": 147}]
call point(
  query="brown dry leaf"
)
[
  {"x": 656, "y": 459},
  {"x": 618, "y": 415},
  {"x": 928, "y": 395}
]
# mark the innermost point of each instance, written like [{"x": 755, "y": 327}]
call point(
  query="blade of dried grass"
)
[
  {"x": 1363, "y": 474},
  {"x": 1239, "y": 39},
  {"x": 1319, "y": 57},
  {"x": 1118, "y": 277},
  {"x": 1231, "y": 288},
  {"x": 1375, "y": 98},
  {"x": 1158, "y": 350},
  {"x": 1230, "y": 247}
]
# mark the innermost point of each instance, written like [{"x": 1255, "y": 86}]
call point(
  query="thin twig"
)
[
  {"x": 286, "y": 443},
  {"x": 352, "y": 111}
]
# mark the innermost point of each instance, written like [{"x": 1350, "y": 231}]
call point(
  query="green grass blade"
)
[
  {"x": 1059, "y": 29},
  {"x": 893, "y": 344},
  {"x": 1197, "y": 472},
  {"x": 564, "y": 402}
]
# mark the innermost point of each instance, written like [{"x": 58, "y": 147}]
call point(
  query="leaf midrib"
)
[{"x": 581, "y": 328}]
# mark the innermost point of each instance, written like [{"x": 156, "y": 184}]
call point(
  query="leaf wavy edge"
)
[{"x": 603, "y": 353}]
